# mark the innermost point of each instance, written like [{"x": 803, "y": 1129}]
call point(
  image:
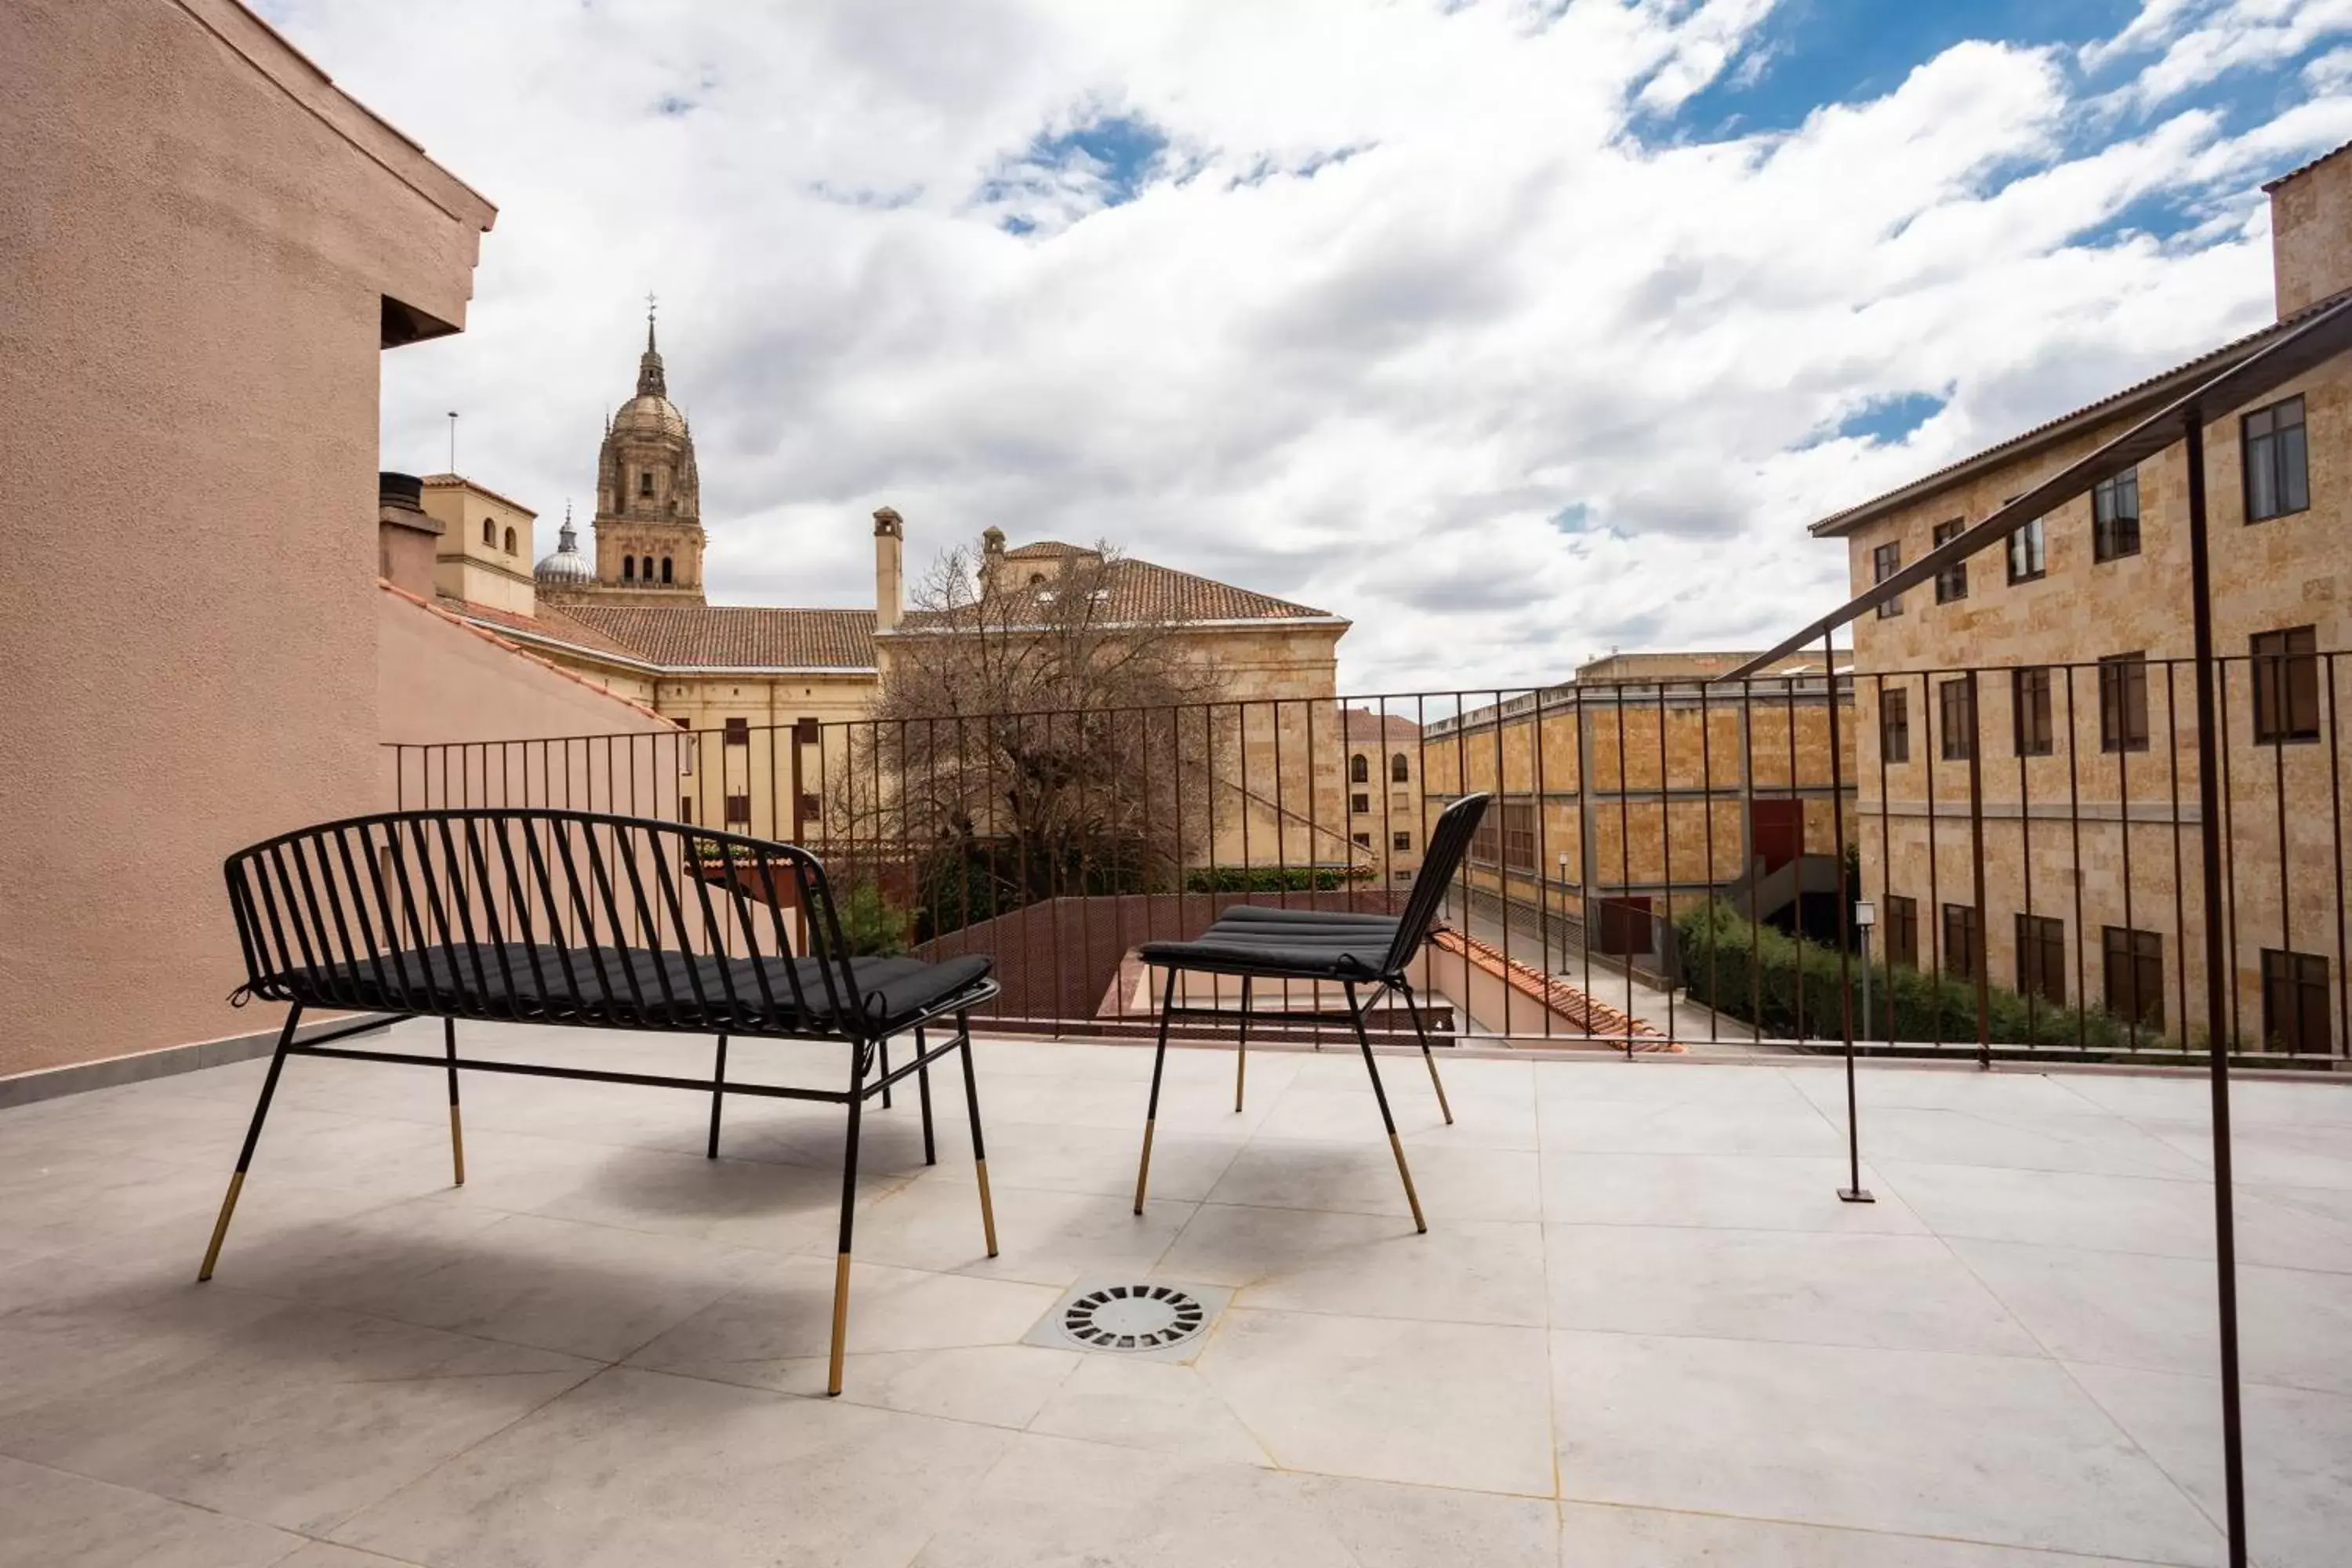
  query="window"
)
[
  {"x": 1894, "y": 725},
  {"x": 739, "y": 731},
  {"x": 2134, "y": 975},
  {"x": 2278, "y": 472},
  {"x": 490, "y": 533},
  {"x": 686, "y": 808},
  {"x": 1399, "y": 841},
  {"x": 1959, "y": 713},
  {"x": 1520, "y": 835},
  {"x": 2026, "y": 561},
  {"x": 1952, "y": 582},
  {"x": 2042, "y": 958},
  {"x": 1365, "y": 839},
  {"x": 2122, "y": 702},
  {"x": 2286, "y": 685},
  {"x": 1359, "y": 803},
  {"x": 628, "y": 568},
  {"x": 738, "y": 811},
  {"x": 2294, "y": 1002},
  {"x": 645, "y": 482},
  {"x": 2115, "y": 517},
  {"x": 1486, "y": 839},
  {"x": 1400, "y": 770},
  {"x": 1900, "y": 920},
  {"x": 510, "y": 541},
  {"x": 1963, "y": 940},
  {"x": 1360, "y": 771},
  {"x": 665, "y": 568},
  {"x": 1884, "y": 561},
  {"x": 2030, "y": 711}
]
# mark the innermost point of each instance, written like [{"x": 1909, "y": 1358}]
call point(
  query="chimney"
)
[
  {"x": 406, "y": 537},
  {"x": 2311, "y": 232},
  {"x": 889, "y": 569}
]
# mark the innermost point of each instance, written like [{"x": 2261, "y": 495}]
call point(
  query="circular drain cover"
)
[{"x": 1132, "y": 1318}]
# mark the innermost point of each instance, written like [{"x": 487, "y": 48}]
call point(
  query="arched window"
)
[
  {"x": 510, "y": 541},
  {"x": 665, "y": 568},
  {"x": 1360, "y": 769},
  {"x": 628, "y": 568},
  {"x": 489, "y": 532},
  {"x": 1399, "y": 770},
  {"x": 645, "y": 482}
]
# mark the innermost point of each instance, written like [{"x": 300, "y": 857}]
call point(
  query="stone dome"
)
[
  {"x": 649, "y": 414},
  {"x": 567, "y": 567}
]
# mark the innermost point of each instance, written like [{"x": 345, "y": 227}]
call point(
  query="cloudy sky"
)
[{"x": 1512, "y": 331}]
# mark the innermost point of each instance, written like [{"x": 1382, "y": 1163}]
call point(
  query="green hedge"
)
[
  {"x": 1730, "y": 967},
  {"x": 1270, "y": 878}
]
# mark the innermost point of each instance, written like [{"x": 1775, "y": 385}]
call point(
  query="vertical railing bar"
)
[
  {"x": 1706, "y": 809},
  {"x": 2336, "y": 826},
  {"x": 2228, "y": 847},
  {"x": 1981, "y": 937},
  {"x": 1931, "y": 715}
]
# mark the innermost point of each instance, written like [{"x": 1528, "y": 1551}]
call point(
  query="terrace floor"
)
[{"x": 1641, "y": 1329}]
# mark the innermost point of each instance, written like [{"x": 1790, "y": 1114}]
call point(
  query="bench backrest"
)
[
  {"x": 538, "y": 911},
  {"x": 1448, "y": 842}
]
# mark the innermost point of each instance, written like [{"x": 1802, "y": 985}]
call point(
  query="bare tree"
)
[{"x": 1040, "y": 730}]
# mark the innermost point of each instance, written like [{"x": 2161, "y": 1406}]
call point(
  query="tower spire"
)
[{"x": 650, "y": 379}]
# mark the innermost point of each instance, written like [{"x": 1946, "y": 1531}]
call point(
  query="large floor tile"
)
[
  {"x": 1656, "y": 1081},
  {"x": 1102, "y": 1159},
  {"x": 2298, "y": 1456},
  {"x": 1360, "y": 1177},
  {"x": 1907, "y": 1442},
  {"x": 2186, "y": 1096},
  {"x": 2285, "y": 1155},
  {"x": 1481, "y": 1120},
  {"x": 1778, "y": 1121},
  {"x": 638, "y": 1468},
  {"x": 1454, "y": 1405},
  {"x": 1471, "y": 1271},
  {"x": 1593, "y": 1536},
  {"x": 1053, "y": 1500},
  {"x": 304, "y": 1416},
  {"x": 2091, "y": 1143},
  {"x": 1896, "y": 1292},
  {"x": 60, "y": 1520},
  {"x": 2135, "y": 1310},
  {"x": 1738, "y": 1192},
  {"x": 1935, "y": 1087},
  {"x": 1045, "y": 1237},
  {"x": 1161, "y": 1408}
]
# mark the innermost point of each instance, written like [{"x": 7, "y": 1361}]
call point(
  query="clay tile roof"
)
[
  {"x": 1365, "y": 725},
  {"x": 2306, "y": 169},
  {"x": 1141, "y": 591},
  {"x": 1046, "y": 548},
  {"x": 551, "y": 622},
  {"x": 735, "y": 636},
  {"x": 2140, "y": 396}
]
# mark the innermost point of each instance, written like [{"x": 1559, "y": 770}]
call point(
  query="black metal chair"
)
[
  {"x": 596, "y": 922},
  {"x": 1321, "y": 946}
]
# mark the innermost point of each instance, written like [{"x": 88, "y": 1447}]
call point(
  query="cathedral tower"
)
[{"x": 648, "y": 497}]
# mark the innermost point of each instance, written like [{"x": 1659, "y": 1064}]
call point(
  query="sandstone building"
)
[{"x": 2085, "y": 735}]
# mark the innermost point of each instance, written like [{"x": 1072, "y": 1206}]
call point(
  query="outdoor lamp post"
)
[{"x": 1866, "y": 915}]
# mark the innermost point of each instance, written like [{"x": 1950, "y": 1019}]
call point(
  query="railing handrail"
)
[{"x": 2325, "y": 335}]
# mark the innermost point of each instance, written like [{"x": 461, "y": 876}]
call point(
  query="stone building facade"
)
[{"x": 2082, "y": 723}]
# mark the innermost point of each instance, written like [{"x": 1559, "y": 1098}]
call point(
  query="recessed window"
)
[
  {"x": 1957, "y": 714},
  {"x": 2026, "y": 559},
  {"x": 1365, "y": 839},
  {"x": 665, "y": 568},
  {"x": 1952, "y": 582},
  {"x": 1399, "y": 770},
  {"x": 1900, "y": 920},
  {"x": 1520, "y": 835},
  {"x": 2286, "y": 685},
  {"x": 490, "y": 533},
  {"x": 738, "y": 811},
  {"x": 2042, "y": 958},
  {"x": 1894, "y": 725},
  {"x": 510, "y": 541},
  {"x": 2115, "y": 517},
  {"x": 2134, "y": 975},
  {"x": 2030, "y": 709},
  {"x": 739, "y": 731},
  {"x": 2122, "y": 702},
  {"x": 1399, "y": 841},
  {"x": 1963, "y": 940},
  {"x": 2295, "y": 1003},
  {"x": 628, "y": 568},
  {"x": 2278, "y": 470},
  {"x": 645, "y": 482},
  {"x": 1884, "y": 561},
  {"x": 1360, "y": 804},
  {"x": 1360, "y": 769}
]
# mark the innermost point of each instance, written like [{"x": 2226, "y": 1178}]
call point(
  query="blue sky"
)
[{"x": 1512, "y": 330}]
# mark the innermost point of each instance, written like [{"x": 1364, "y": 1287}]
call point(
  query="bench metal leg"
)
[
  {"x": 1241, "y": 1058},
  {"x": 457, "y": 1132},
  {"x": 252, "y": 1137},
  {"x": 978, "y": 1148},
  {"x": 923, "y": 1092},
  {"x": 848, "y": 1214},
  {"x": 1151, "y": 1113},
  {"x": 1396, "y": 1144},
  {"x": 1426, "y": 1054},
  {"x": 718, "y": 1092}
]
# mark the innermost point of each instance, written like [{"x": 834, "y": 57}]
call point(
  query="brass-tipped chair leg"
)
[
  {"x": 1426, "y": 1054},
  {"x": 252, "y": 1137},
  {"x": 1241, "y": 1057},
  {"x": 848, "y": 1216},
  {"x": 1151, "y": 1113},
  {"x": 979, "y": 1148},
  {"x": 1396, "y": 1144},
  {"x": 456, "y": 1131},
  {"x": 923, "y": 1090},
  {"x": 718, "y": 1096}
]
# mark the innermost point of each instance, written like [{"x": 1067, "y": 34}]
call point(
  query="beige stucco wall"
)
[
  {"x": 493, "y": 570},
  {"x": 2311, "y": 234},
  {"x": 197, "y": 237}
]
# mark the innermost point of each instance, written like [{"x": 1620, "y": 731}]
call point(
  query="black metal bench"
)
[
  {"x": 594, "y": 921},
  {"x": 1256, "y": 941}
]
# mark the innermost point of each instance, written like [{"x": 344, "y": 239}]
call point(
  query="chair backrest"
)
[
  {"x": 533, "y": 915},
  {"x": 1447, "y": 843}
]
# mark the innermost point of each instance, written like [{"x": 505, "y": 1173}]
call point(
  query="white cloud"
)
[
  {"x": 1372, "y": 381},
  {"x": 2197, "y": 41}
]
